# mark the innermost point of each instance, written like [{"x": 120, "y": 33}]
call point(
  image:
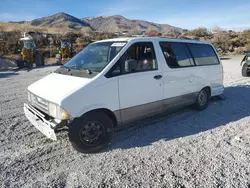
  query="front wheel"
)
[
  {"x": 20, "y": 64},
  {"x": 91, "y": 133},
  {"x": 202, "y": 99}
]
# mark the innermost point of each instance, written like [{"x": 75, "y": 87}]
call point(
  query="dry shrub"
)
[
  {"x": 221, "y": 41},
  {"x": 247, "y": 47},
  {"x": 172, "y": 34},
  {"x": 239, "y": 51},
  {"x": 245, "y": 36},
  {"x": 199, "y": 32},
  {"x": 236, "y": 42}
]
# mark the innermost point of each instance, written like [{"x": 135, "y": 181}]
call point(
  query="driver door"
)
[{"x": 140, "y": 84}]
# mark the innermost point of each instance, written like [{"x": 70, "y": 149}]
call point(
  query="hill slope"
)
[
  {"x": 119, "y": 23},
  {"x": 60, "y": 20},
  {"x": 114, "y": 23}
]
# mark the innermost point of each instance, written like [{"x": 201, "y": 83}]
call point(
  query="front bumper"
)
[{"x": 38, "y": 120}]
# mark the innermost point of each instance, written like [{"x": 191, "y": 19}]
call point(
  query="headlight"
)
[
  {"x": 52, "y": 110},
  {"x": 32, "y": 97},
  {"x": 57, "y": 112}
]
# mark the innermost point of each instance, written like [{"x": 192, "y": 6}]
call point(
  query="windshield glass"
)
[
  {"x": 29, "y": 44},
  {"x": 65, "y": 43},
  {"x": 95, "y": 56}
]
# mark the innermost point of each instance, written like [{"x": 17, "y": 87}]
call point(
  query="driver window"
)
[{"x": 139, "y": 57}]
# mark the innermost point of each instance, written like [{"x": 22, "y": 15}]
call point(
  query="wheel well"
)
[
  {"x": 107, "y": 112},
  {"x": 209, "y": 90}
]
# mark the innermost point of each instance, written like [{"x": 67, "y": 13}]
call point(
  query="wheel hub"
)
[
  {"x": 91, "y": 132},
  {"x": 202, "y": 98}
]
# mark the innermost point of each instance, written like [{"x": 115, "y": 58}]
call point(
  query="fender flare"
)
[{"x": 91, "y": 108}]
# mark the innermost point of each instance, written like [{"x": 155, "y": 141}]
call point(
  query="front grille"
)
[{"x": 46, "y": 116}]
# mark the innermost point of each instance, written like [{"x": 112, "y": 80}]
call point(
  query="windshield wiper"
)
[
  {"x": 81, "y": 68},
  {"x": 65, "y": 68}
]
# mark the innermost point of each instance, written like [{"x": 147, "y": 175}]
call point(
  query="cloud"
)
[{"x": 5, "y": 16}]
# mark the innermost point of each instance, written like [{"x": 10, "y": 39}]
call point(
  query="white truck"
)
[{"x": 114, "y": 82}]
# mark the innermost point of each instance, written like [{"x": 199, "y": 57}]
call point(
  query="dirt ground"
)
[{"x": 186, "y": 149}]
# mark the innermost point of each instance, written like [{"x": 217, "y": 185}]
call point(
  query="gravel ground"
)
[{"x": 185, "y": 149}]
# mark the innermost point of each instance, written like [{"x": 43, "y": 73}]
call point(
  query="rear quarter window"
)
[
  {"x": 176, "y": 54},
  {"x": 203, "y": 54}
]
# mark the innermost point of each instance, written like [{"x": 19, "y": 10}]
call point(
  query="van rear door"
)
[
  {"x": 178, "y": 66},
  {"x": 211, "y": 70}
]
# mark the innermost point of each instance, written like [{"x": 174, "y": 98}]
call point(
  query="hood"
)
[{"x": 54, "y": 87}]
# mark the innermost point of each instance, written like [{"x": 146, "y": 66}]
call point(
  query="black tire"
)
[
  {"x": 20, "y": 64},
  {"x": 39, "y": 60},
  {"x": 81, "y": 137},
  {"x": 202, "y": 99},
  {"x": 27, "y": 64},
  {"x": 244, "y": 70}
]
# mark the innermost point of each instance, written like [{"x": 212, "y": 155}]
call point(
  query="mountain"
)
[
  {"x": 112, "y": 24},
  {"x": 60, "y": 20},
  {"x": 20, "y": 22},
  {"x": 119, "y": 23}
]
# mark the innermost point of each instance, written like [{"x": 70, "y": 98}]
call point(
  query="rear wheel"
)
[
  {"x": 244, "y": 70},
  {"x": 91, "y": 133},
  {"x": 202, "y": 99}
]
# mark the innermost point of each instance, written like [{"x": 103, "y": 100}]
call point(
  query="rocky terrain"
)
[{"x": 186, "y": 149}]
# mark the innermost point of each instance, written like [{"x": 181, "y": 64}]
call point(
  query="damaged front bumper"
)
[{"x": 47, "y": 127}]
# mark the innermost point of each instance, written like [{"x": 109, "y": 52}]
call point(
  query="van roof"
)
[{"x": 154, "y": 38}]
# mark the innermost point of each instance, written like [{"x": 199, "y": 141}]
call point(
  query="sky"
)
[{"x": 187, "y": 14}]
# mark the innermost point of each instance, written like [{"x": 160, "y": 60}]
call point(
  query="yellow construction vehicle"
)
[
  {"x": 66, "y": 51},
  {"x": 29, "y": 53}
]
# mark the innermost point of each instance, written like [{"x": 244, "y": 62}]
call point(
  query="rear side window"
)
[
  {"x": 176, "y": 55},
  {"x": 203, "y": 54}
]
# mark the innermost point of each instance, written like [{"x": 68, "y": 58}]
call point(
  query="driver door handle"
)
[{"x": 157, "y": 77}]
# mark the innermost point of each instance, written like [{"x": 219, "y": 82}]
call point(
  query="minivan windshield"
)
[{"x": 96, "y": 56}]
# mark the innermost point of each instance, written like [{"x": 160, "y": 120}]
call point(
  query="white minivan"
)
[{"x": 113, "y": 82}]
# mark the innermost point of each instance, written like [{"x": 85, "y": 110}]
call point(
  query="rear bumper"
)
[
  {"x": 38, "y": 120},
  {"x": 217, "y": 91}
]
